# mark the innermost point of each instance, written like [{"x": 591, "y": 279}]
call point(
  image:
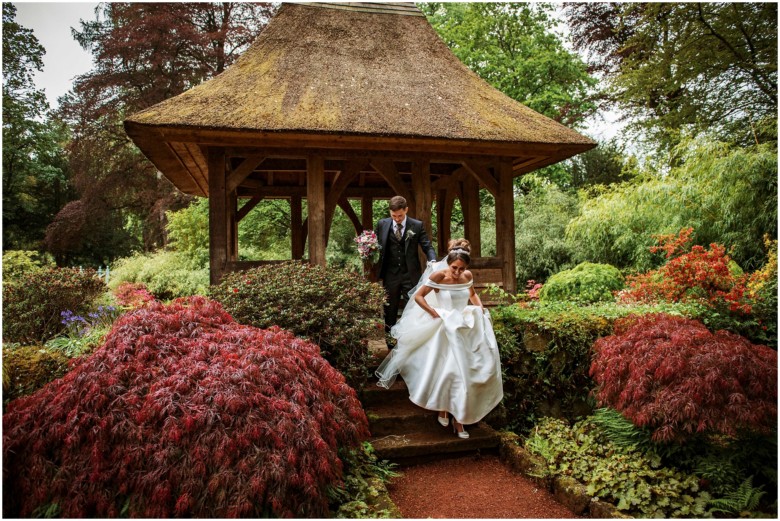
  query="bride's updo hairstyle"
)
[
  {"x": 459, "y": 244},
  {"x": 458, "y": 254}
]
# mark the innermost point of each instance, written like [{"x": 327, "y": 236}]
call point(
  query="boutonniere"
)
[{"x": 409, "y": 234}]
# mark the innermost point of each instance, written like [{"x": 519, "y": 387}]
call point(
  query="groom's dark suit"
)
[{"x": 399, "y": 264}]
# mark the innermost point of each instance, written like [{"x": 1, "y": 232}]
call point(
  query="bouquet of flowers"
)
[{"x": 368, "y": 246}]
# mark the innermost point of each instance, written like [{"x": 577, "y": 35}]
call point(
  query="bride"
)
[{"x": 446, "y": 351}]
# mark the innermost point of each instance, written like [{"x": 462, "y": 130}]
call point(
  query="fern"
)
[{"x": 743, "y": 500}]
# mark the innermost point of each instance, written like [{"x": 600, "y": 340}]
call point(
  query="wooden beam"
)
[
  {"x": 244, "y": 210},
  {"x": 482, "y": 174},
  {"x": 423, "y": 198},
  {"x": 442, "y": 224},
  {"x": 367, "y": 212},
  {"x": 242, "y": 171},
  {"x": 302, "y": 140},
  {"x": 387, "y": 169},
  {"x": 343, "y": 179},
  {"x": 350, "y": 213},
  {"x": 276, "y": 192},
  {"x": 505, "y": 224},
  {"x": 315, "y": 199},
  {"x": 296, "y": 227},
  {"x": 471, "y": 214},
  {"x": 218, "y": 236},
  {"x": 232, "y": 224}
]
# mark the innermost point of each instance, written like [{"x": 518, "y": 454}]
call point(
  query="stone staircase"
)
[{"x": 406, "y": 434}]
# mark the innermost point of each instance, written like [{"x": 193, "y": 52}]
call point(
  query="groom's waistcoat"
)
[{"x": 395, "y": 257}]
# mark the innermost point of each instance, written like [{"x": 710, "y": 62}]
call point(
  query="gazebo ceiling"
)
[{"x": 346, "y": 79}]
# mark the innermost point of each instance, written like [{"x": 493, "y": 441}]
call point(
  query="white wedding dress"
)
[{"x": 449, "y": 363}]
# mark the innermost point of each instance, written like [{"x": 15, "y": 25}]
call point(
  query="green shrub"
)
[
  {"x": 635, "y": 483},
  {"x": 32, "y": 303},
  {"x": 28, "y": 368},
  {"x": 166, "y": 274},
  {"x": 585, "y": 283},
  {"x": 337, "y": 310},
  {"x": 19, "y": 262}
]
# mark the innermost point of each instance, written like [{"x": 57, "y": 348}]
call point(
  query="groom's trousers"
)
[{"x": 397, "y": 286}]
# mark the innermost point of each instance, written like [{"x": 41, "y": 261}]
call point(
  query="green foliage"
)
[
  {"x": 336, "y": 309},
  {"x": 263, "y": 234},
  {"x": 636, "y": 484},
  {"x": 73, "y": 344},
  {"x": 674, "y": 67},
  {"x": 18, "y": 262},
  {"x": 166, "y": 274},
  {"x": 356, "y": 497},
  {"x": 585, "y": 283},
  {"x": 513, "y": 47},
  {"x": 726, "y": 193},
  {"x": 604, "y": 165},
  {"x": 762, "y": 291},
  {"x": 35, "y": 182},
  {"x": 542, "y": 216},
  {"x": 28, "y": 368},
  {"x": 740, "y": 502},
  {"x": 33, "y": 302}
]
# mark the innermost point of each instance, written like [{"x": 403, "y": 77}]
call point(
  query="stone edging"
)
[
  {"x": 382, "y": 500},
  {"x": 568, "y": 491}
]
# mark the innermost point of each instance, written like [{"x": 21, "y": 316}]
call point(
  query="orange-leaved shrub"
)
[
  {"x": 675, "y": 377},
  {"x": 183, "y": 412},
  {"x": 690, "y": 275}
]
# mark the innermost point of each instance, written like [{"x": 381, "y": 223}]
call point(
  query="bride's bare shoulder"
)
[{"x": 437, "y": 276}]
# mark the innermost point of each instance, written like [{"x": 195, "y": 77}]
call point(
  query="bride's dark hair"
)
[
  {"x": 461, "y": 244},
  {"x": 458, "y": 254}
]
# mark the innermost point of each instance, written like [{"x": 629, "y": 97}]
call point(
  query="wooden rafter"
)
[
  {"x": 482, "y": 174},
  {"x": 237, "y": 176}
]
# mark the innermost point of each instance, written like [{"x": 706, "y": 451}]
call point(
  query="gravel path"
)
[{"x": 471, "y": 487}]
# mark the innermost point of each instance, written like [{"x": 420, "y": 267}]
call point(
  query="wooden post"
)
[
  {"x": 296, "y": 227},
  {"x": 442, "y": 225},
  {"x": 505, "y": 224},
  {"x": 232, "y": 222},
  {"x": 470, "y": 205},
  {"x": 421, "y": 188},
  {"x": 367, "y": 212},
  {"x": 315, "y": 198},
  {"x": 218, "y": 209}
]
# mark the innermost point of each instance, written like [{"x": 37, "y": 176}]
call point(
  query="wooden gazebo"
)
[{"x": 334, "y": 102}]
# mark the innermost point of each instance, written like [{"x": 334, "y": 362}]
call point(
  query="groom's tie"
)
[{"x": 398, "y": 232}]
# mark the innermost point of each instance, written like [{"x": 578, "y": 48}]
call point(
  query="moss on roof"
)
[{"x": 353, "y": 71}]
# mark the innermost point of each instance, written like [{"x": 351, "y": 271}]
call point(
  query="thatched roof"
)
[{"x": 377, "y": 71}]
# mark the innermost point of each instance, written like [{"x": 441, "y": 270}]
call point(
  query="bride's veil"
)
[
  {"x": 430, "y": 297},
  {"x": 388, "y": 369}
]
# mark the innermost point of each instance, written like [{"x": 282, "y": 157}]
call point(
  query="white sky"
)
[{"x": 51, "y": 23}]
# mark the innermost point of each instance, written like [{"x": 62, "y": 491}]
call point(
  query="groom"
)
[{"x": 399, "y": 264}]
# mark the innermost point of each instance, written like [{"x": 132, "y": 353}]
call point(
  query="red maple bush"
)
[
  {"x": 183, "y": 412},
  {"x": 674, "y": 376},
  {"x": 133, "y": 294}
]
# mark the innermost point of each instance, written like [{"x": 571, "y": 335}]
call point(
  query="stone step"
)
[
  {"x": 398, "y": 414},
  {"x": 374, "y": 395},
  {"x": 433, "y": 441}
]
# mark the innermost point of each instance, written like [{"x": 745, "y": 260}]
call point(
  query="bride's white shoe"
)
[
  {"x": 444, "y": 421},
  {"x": 461, "y": 434}
]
